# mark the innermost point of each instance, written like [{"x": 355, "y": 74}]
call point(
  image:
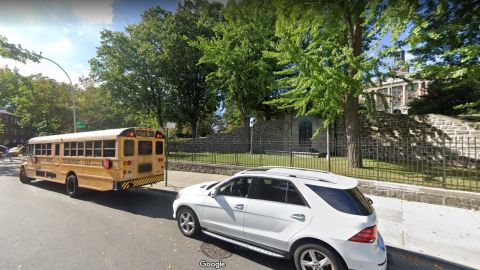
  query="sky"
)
[{"x": 67, "y": 32}]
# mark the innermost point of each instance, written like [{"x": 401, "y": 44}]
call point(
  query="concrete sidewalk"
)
[{"x": 448, "y": 233}]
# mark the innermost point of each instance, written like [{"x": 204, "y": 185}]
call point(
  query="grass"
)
[{"x": 409, "y": 172}]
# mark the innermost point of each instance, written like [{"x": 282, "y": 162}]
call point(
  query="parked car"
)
[
  {"x": 17, "y": 151},
  {"x": 320, "y": 219}
]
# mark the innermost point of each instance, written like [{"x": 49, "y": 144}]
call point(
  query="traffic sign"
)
[
  {"x": 81, "y": 125},
  {"x": 171, "y": 125}
]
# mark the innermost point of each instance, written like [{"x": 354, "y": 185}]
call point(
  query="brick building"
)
[{"x": 12, "y": 134}]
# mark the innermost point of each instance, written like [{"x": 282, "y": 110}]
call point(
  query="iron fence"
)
[{"x": 450, "y": 164}]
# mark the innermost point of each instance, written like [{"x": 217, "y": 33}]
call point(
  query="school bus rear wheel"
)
[{"x": 72, "y": 186}]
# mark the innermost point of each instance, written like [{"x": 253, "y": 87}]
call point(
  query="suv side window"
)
[
  {"x": 293, "y": 195},
  {"x": 238, "y": 187},
  {"x": 274, "y": 190}
]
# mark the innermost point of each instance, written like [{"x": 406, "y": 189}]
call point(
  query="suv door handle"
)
[
  {"x": 238, "y": 207},
  {"x": 300, "y": 217}
]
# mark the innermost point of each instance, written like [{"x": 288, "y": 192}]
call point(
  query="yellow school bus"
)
[{"x": 113, "y": 159}]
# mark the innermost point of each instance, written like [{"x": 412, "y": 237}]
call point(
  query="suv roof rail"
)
[
  {"x": 265, "y": 170},
  {"x": 295, "y": 168}
]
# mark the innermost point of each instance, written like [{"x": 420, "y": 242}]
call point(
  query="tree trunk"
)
[
  {"x": 352, "y": 132},
  {"x": 246, "y": 128},
  {"x": 193, "y": 124}
]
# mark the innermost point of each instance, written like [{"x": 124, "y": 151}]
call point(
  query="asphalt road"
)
[{"x": 42, "y": 228}]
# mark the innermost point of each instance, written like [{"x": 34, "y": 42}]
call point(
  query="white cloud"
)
[
  {"x": 51, "y": 43},
  {"x": 46, "y": 68},
  {"x": 93, "y": 12}
]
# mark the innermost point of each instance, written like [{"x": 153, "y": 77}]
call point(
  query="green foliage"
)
[
  {"x": 442, "y": 98},
  {"x": 98, "y": 110},
  {"x": 44, "y": 105},
  {"x": 243, "y": 77},
  {"x": 445, "y": 41},
  {"x": 9, "y": 83},
  {"x": 130, "y": 65},
  {"x": 151, "y": 68},
  {"x": 16, "y": 52},
  {"x": 330, "y": 51},
  {"x": 190, "y": 99}
]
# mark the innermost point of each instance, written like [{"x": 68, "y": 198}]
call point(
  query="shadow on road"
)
[
  {"x": 140, "y": 201},
  {"x": 400, "y": 259}
]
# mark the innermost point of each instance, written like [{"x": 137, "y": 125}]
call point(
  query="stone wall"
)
[
  {"x": 434, "y": 138},
  {"x": 266, "y": 135},
  {"x": 461, "y": 199}
]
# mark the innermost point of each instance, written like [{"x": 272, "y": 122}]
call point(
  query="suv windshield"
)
[{"x": 350, "y": 201}]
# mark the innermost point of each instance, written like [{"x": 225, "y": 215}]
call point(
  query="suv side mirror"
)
[
  {"x": 214, "y": 193},
  {"x": 369, "y": 200}
]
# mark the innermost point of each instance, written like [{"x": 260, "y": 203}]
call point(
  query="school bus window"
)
[
  {"x": 66, "y": 149},
  {"x": 73, "y": 149},
  {"x": 30, "y": 149},
  {"x": 144, "y": 148},
  {"x": 57, "y": 149},
  {"x": 97, "y": 148},
  {"x": 109, "y": 148},
  {"x": 80, "y": 149},
  {"x": 49, "y": 149},
  {"x": 38, "y": 150},
  {"x": 128, "y": 147},
  {"x": 88, "y": 149},
  {"x": 159, "y": 148}
]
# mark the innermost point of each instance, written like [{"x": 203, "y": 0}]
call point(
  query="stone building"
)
[
  {"x": 398, "y": 94},
  {"x": 12, "y": 134}
]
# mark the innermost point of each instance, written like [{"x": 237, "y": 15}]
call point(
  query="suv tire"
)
[
  {"x": 188, "y": 222},
  {"x": 323, "y": 259}
]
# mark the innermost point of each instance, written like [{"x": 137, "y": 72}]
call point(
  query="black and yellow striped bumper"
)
[{"x": 121, "y": 185}]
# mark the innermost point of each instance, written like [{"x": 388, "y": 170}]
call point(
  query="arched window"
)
[{"x": 305, "y": 132}]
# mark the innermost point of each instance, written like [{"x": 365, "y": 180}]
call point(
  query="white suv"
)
[{"x": 319, "y": 218}]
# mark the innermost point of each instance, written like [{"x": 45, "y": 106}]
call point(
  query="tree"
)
[
  {"x": 190, "y": 99},
  {"x": 243, "y": 76},
  {"x": 16, "y": 52},
  {"x": 9, "y": 83},
  {"x": 445, "y": 41},
  {"x": 330, "y": 53},
  {"x": 445, "y": 98},
  {"x": 98, "y": 110},
  {"x": 42, "y": 104},
  {"x": 130, "y": 65}
]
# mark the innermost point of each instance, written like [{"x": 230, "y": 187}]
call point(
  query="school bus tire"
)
[
  {"x": 71, "y": 186},
  {"x": 23, "y": 176}
]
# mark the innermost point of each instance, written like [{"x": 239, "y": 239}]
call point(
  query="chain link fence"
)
[{"x": 452, "y": 164}]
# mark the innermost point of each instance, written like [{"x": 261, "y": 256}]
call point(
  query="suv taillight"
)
[{"x": 367, "y": 235}]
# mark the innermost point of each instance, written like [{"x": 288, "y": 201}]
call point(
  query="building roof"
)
[{"x": 89, "y": 135}]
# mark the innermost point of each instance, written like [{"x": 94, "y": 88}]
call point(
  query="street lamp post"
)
[{"x": 71, "y": 87}]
